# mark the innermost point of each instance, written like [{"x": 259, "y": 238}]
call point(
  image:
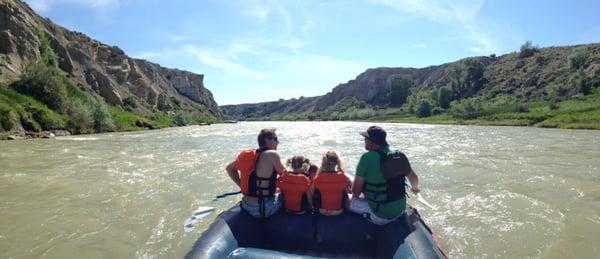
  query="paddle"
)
[
  {"x": 225, "y": 195},
  {"x": 199, "y": 213},
  {"x": 419, "y": 197},
  {"x": 202, "y": 212}
]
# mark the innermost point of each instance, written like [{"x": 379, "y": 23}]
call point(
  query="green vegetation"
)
[
  {"x": 399, "y": 90},
  {"x": 548, "y": 87},
  {"x": 46, "y": 99}
]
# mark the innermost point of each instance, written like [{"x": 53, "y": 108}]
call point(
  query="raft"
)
[{"x": 236, "y": 234}]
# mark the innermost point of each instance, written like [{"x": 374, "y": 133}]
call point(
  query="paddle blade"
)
[
  {"x": 191, "y": 222},
  {"x": 421, "y": 200}
]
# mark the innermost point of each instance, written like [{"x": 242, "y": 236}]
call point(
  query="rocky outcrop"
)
[{"x": 103, "y": 70}]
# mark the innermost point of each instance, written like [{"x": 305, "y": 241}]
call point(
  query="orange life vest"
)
[
  {"x": 293, "y": 186},
  {"x": 331, "y": 187},
  {"x": 251, "y": 185}
]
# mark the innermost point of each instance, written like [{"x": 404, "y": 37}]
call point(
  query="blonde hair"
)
[
  {"x": 331, "y": 162},
  {"x": 298, "y": 163}
]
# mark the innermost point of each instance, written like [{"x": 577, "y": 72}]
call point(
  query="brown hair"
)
[
  {"x": 331, "y": 162},
  {"x": 298, "y": 162},
  {"x": 264, "y": 134},
  {"x": 313, "y": 169}
]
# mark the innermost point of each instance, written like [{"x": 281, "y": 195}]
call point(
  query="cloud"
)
[
  {"x": 220, "y": 61},
  {"x": 42, "y": 6},
  {"x": 459, "y": 13},
  {"x": 420, "y": 45}
]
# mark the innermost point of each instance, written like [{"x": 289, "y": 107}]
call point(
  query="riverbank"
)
[{"x": 582, "y": 112}]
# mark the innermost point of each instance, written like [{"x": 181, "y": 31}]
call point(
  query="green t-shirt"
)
[{"x": 369, "y": 167}]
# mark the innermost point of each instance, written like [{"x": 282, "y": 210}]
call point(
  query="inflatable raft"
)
[{"x": 236, "y": 234}]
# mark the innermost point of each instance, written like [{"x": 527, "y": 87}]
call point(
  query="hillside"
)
[
  {"x": 469, "y": 89},
  {"x": 146, "y": 93}
]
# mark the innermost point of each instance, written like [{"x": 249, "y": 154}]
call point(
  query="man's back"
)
[{"x": 265, "y": 165}]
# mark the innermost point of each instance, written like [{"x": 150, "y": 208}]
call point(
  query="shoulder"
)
[
  {"x": 270, "y": 154},
  {"x": 370, "y": 155}
]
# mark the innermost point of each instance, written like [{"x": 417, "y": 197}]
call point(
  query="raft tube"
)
[{"x": 236, "y": 234}]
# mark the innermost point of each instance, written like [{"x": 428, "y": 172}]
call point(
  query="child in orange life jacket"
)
[
  {"x": 330, "y": 186},
  {"x": 295, "y": 186}
]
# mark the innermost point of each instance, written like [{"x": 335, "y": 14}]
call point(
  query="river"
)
[{"x": 500, "y": 192}]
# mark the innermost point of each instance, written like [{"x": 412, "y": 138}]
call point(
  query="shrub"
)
[
  {"x": 521, "y": 107},
  {"x": 131, "y": 101},
  {"x": 80, "y": 117},
  {"x": 577, "y": 58},
  {"x": 180, "y": 119},
  {"x": 424, "y": 108},
  {"x": 45, "y": 84},
  {"x": 437, "y": 110},
  {"x": 527, "y": 50},
  {"x": 579, "y": 81},
  {"x": 48, "y": 56},
  {"x": 466, "y": 109},
  {"x": 9, "y": 119},
  {"x": 102, "y": 118}
]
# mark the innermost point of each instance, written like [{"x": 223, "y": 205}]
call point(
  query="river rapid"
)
[{"x": 500, "y": 192}]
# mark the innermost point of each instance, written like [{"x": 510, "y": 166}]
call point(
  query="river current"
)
[{"x": 500, "y": 192}]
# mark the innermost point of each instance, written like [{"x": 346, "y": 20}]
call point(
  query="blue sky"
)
[{"x": 262, "y": 50}]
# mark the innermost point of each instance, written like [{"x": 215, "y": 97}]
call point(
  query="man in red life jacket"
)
[{"x": 255, "y": 172}]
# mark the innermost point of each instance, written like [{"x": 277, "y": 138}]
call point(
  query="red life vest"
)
[
  {"x": 294, "y": 187},
  {"x": 251, "y": 184},
  {"x": 332, "y": 187}
]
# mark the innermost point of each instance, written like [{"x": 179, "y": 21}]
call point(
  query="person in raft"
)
[
  {"x": 312, "y": 171},
  {"x": 380, "y": 176},
  {"x": 330, "y": 186},
  {"x": 295, "y": 186},
  {"x": 255, "y": 172}
]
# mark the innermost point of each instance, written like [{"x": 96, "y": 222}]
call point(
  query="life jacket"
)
[
  {"x": 331, "y": 188},
  {"x": 294, "y": 188},
  {"x": 251, "y": 184},
  {"x": 394, "y": 166}
]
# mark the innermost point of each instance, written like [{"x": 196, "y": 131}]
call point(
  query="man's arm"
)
[
  {"x": 232, "y": 171},
  {"x": 357, "y": 186},
  {"x": 414, "y": 181},
  {"x": 277, "y": 165}
]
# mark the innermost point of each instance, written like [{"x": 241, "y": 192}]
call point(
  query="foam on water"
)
[{"x": 500, "y": 192}]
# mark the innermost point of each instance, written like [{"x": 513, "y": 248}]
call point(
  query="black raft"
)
[{"x": 236, "y": 234}]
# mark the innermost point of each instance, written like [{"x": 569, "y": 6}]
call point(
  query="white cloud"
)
[
  {"x": 420, "y": 45},
  {"x": 217, "y": 60},
  {"x": 461, "y": 13}
]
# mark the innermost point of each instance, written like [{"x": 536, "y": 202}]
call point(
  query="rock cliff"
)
[{"x": 103, "y": 70}]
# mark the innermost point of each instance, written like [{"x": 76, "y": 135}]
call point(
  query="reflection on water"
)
[{"x": 500, "y": 191}]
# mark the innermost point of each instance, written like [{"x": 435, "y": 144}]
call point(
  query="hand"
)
[{"x": 415, "y": 190}]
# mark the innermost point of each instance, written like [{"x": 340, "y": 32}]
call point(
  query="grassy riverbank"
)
[{"x": 582, "y": 112}]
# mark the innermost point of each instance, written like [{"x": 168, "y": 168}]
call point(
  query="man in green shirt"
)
[{"x": 380, "y": 175}]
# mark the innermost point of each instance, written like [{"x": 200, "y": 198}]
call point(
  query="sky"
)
[{"x": 262, "y": 50}]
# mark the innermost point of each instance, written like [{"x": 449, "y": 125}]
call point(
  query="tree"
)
[
  {"x": 399, "y": 90},
  {"x": 445, "y": 97},
  {"x": 527, "y": 50},
  {"x": 473, "y": 76},
  {"x": 424, "y": 108}
]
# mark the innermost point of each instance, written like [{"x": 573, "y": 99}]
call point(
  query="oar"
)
[
  {"x": 225, "y": 195},
  {"x": 202, "y": 212},
  {"x": 419, "y": 197},
  {"x": 191, "y": 222}
]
